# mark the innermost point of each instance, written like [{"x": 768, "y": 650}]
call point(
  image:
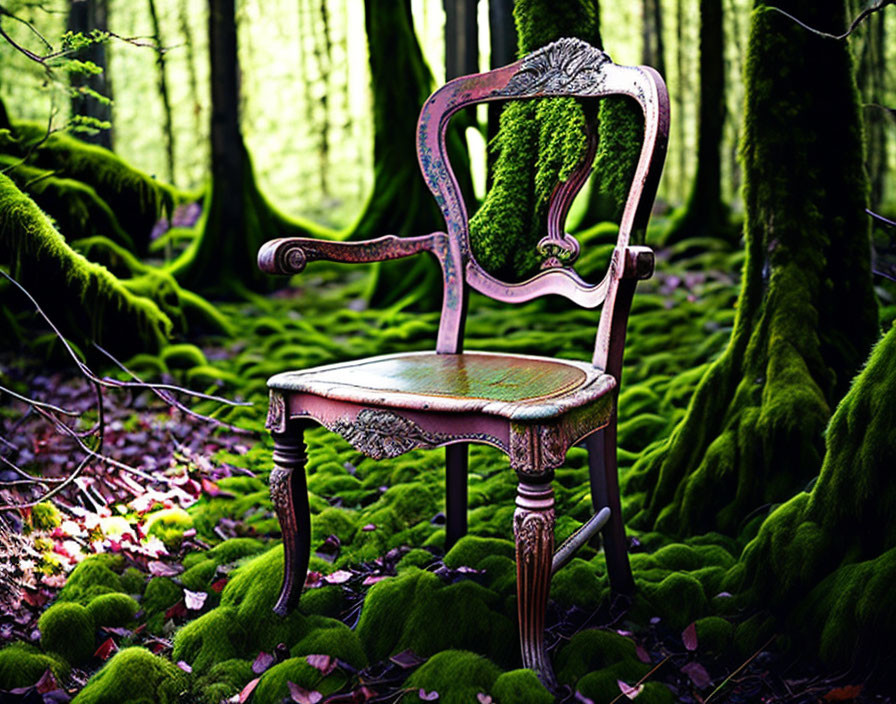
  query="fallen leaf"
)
[
  {"x": 407, "y": 659},
  {"x": 158, "y": 568},
  {"x": 47, "y": 682},
  {"x": 262, "y": 662},
  {"x": 689, "y": 636},
  {"x": 106, "y": 649},
  {"x": 373, "y": 579},
  {"x": 194, "y": 600},
  {"x": 246, "y": 691},
  {"x": 484, "y": 698},
  {"x": 300, "y": 695},
  {"x": 338, "y": 577},
  {"x": 219, "y": 585},
  {"x": 325, "y": 663},
  {"x": 582, "y": 699},
  {"x": 185, "y": 666},
  {"x": 428, "y": 696},
  {"x": 698, "y": 674},
  {"x": 628, "y": 690},
  {"x": 369, "y": 527},
  {"x": 642, "y": 654},
  {"x": 843, "y": 694}
]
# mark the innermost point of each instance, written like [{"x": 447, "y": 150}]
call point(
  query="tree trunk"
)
[
  {"x": 85, "y": 17},
  {"x": 502, "y": 45},
  {"x": 400, "y": 202},
  {"x": 461, "y": 38},
  {"x": 167, "y": 122},
  {"x": 704, "y": 214},
  {"x": 652, "y": 47},
  {"x": 806, "y": 315}
]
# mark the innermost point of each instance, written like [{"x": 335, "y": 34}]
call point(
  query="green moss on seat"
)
[
  {"x": 135, "y": 675},
  {"x": 21, "y": 665},
  {"x": 338, "y": 641},
  {"x": 112, "y": 609},
  {"x": 457, "y": 675},
  {"x": 520, "y": 687},
  {"x": 68, "y": 629}
]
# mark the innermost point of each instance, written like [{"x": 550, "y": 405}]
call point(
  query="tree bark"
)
[
  {"x": 705, "y": 214},
  {"x": 461, "y": 38},
  {"x": 84, "y": 17},
  {"x": 806, "y": 316},
  {"x": 167, "y": 122}
]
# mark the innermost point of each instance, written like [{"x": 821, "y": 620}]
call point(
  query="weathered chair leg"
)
[
  {"x": 605, "y": 492},
  {"x": 533, "y": 531},
  {"x": 289, "y": 493},
  {"x": 455, "y": 493}
]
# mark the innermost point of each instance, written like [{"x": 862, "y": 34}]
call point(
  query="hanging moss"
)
[
  {"x": 94, "y": 301},
  {"x": 806, "y": 314},
  {"x": 542, "y": 142}
]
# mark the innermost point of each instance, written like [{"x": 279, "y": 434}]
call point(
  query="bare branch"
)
[
  {"x": 881, "y": 218},
  {"x": 868, "y": 11}
]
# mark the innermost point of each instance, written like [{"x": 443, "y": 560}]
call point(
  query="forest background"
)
[{"x": 177, "y": 508}]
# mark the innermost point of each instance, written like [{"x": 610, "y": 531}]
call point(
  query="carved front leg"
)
[
  {"x": 533, "y": 530},
  {"x": 289, "y": 493}
]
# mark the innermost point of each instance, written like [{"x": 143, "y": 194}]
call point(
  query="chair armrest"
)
[
  {"x": 289, "y": 255},
  {"x": 637, "y": 263}
]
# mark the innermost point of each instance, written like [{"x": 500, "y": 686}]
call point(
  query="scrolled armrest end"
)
[{"x": 283, "y": 256}]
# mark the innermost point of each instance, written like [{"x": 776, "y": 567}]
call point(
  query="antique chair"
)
[{"x": 532, "y": 408}]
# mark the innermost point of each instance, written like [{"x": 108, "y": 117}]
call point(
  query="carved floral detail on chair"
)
[
  {"x": 566, "y": 65},
  {"x": 379, "y": 434},
  {"x": 276, "y": 420}
]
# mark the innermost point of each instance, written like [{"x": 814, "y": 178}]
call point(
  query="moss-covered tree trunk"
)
[
  {"x": 825, "y": 561},
  {"x": 400, "y": 203},
  {"x": 237, "y": 219},
  {"x": 806, "y": 315},
  {"x": 704, "y": 214}
]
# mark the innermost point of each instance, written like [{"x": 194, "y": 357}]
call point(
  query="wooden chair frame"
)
[{"x": 534, "y": 433}]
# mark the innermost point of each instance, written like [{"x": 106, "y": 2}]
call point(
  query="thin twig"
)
[
  {"x": 643, "y": 679},
  {"x": 735, "y": 673},
  {"x": 881, "y": 218},
  {"x": 42, "y": 404},
  {"x": 870, "y": 10}
]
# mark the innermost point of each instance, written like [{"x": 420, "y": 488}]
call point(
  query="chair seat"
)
[{"x": 518, "y": 387}]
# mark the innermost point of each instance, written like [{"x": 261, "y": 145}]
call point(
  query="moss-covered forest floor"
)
[{"x": 154, "y": 582}]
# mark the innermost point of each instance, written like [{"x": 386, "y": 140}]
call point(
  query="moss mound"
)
[
  {"x": 112, "y": 609},
  {"x": 520, "y": 687},
  {"x": 22, "y": 665},
  {"x": 135, "y": 675},
  {"x": 457, "y": 675},
  {"x": 68, "y": 629}
]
